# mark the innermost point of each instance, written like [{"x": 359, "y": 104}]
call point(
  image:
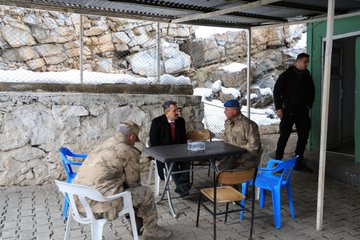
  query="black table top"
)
[{"x": 179, "y": 152}]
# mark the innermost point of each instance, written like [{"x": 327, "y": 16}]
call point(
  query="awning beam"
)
[{"x": 224, "y": 11}]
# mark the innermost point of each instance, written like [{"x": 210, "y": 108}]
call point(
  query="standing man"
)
[
  {"x": 113, "y": 167},
  {"x": 294, "y": 94},
  {"x": 168, "y": 129},
  {"x": 242, "y": 132}
]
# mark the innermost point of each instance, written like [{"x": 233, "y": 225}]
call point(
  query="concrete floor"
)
[{"x": 35, "y": 213}]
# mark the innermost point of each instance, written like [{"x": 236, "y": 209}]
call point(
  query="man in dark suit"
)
[{"x": 168, "y": 129}]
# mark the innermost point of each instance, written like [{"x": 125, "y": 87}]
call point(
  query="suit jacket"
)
[{"x": 160, "y": 131}]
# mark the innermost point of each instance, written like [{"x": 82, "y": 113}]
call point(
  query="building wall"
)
[
  {"x": 33, "y": 125},
  {"x": 316, "y": 33}
]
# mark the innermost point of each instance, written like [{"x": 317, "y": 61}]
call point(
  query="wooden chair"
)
[
  {"x": 223, "y": 193},
  {"x": 199, "y": 135}
]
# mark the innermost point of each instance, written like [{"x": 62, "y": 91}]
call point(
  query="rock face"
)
[
  {"x": 49, "y": 41},
  {"x": 34, "y": 126}
]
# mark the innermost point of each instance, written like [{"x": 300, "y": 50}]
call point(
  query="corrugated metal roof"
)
[{"x": 261, "y": 13}]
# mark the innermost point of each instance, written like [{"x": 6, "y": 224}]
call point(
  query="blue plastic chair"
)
[
  {"x": 276, "y": 175},
  {"x": 70, "y": 174}
]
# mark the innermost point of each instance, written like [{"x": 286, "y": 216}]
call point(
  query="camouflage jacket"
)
[
  {"x": 110, "y": 168},
  {"x": 244, "y": 133}
]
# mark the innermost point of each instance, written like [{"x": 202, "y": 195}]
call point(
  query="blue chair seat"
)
[{"x": 276, "y": 175}]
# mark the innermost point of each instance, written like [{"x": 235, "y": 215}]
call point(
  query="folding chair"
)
[
  {"x": 84, "y": 193},
  {"x": 222, "y": 193},
  {"x": 199, "y": 135},
  {"x": 70, "y": 174}
]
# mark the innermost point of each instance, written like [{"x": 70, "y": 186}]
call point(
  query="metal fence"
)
[
  {"x": 214, "y": 117},
  {"x": 35, "y": 44}
]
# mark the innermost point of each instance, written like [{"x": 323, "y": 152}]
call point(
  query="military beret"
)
[{"x": 232, "y": 104}]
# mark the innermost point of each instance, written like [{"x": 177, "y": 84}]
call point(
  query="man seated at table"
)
[
  {"x": 114, "y": 167},
  {"x": 242, "y": 132},
  {"x": 168, "y": 129}
]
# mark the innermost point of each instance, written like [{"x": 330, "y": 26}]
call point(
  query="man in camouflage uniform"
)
[
  {"x": 242, "y": 132},
  {"x": 114, "y": 167}
]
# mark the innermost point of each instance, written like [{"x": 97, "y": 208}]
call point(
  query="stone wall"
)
[{"x": 33, "y": 125}]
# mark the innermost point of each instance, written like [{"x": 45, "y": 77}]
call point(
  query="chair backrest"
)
[
  {"x": 236, "y": 176},
  {"x": 147, "y": 142},
  {"x": 287, "y": 167},
  {"x": 199, "y": 135},
  {"x": 64, "y": 153},
  {"x": 73, "y": 191}
]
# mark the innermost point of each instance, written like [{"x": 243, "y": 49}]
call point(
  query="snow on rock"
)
[
  {"x": 169, "y": 79},
  {"x": 234, "y": 67},
  {"x": 73, "y": 76},
  {"x": 216, "y": 86},
  {"x": 266, "y": 91},
  {"x": 231, "y": 91},
  {"x": 203, "y": 92}
]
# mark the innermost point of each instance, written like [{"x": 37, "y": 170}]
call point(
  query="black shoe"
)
[
  {"x": 182, "y": 193},
  {"x": 303, "y": 168},
  {"x": 185, "y": 187}
]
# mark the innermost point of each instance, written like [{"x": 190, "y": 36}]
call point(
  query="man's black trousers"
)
[
  {"x": 302, "y": 123},
  {"x": 180, "y": 178}
]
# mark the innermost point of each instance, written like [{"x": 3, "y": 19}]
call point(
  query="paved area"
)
[{"x": 35, "y": 213}]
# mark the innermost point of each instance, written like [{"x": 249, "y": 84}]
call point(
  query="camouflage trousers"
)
[
  {"x": 144, "y": 204},
  {"x": 245, "y": 160}
]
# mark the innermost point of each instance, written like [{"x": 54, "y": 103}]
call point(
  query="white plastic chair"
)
[
  {"x": 153, "y": 169},
  {"x": 83, "y": 193}
]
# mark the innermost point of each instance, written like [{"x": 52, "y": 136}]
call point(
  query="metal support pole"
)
[
  {"x": 81, "y": 43},
  {"x": 158, "y": 54},
  {"x": 324, "y": 114},
  {"x": 248, "y": 72}
]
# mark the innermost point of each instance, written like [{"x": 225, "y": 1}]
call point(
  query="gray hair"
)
[
  {"x": 167, "y": 104},
  {"x": 124, "y": 129},
  {"x": 128, "y": 128}
]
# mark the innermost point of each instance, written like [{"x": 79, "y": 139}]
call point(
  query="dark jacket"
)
[
  {"x": 160, "y": 131},
  {"x": 294, "y": 90}
]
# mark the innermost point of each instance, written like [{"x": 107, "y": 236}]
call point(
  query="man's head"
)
[
  {"x": 232, "y": 108},
  {"x": 302, "y": 61},
  {"x": 130, "y": 129},
  {"x": 171, "y": 110}
]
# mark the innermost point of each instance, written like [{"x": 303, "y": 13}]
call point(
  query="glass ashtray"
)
[{"x": 196, "y": 146}]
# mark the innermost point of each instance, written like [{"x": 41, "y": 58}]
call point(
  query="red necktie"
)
[{"x": 172, "y": 125}]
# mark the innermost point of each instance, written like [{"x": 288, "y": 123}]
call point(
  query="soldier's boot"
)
[{"x": 156, "y": 233}]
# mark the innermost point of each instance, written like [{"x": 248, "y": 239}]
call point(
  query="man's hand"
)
[{"x": 280, "y": 113}]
